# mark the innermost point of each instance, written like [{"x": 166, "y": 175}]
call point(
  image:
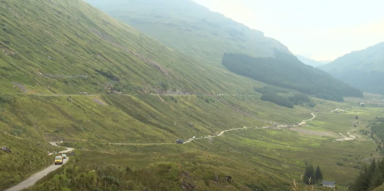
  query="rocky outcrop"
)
[{"x": 5, "y": 149}]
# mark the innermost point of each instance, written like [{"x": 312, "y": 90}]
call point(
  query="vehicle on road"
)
[
  {"x": 64, "y": 156},
  {"x": 179, "y": 141},
  {"x": 58, "y": 160}
]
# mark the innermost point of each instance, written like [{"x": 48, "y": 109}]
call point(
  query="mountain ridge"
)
[
  {"x": 191, "y": 28},
  {"x": 362, "y": 69},
  {"x": 287, "y": 71},
  {"x": 309, "y": 61}
]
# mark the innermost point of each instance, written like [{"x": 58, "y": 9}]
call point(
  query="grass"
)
[
  {"x": 27, "y": 156},
  {"x": 252, "y": 156},
  {"x": 81, "y": 52},
  {"x": 260, "y": 158}
]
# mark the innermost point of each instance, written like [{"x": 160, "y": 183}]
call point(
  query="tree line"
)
[{"x": 289, "y": 102}]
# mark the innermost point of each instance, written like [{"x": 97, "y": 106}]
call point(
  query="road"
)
[
  {"x": 36, "y": 177},
  {"x": 305, "y": 121},
  {"x": 345, "y": 138},
  {"x": 214, "y": 136}
]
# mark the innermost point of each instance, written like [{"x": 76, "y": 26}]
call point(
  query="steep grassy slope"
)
[
  {"x": 26, "y": 156},
  {"x": 190, "y": 28},
  {"x": 71, "y": 47},
  {"x": 207, "y": 36},
  {"x": 287, "y": 71},
  {"x": 361, "y": 69}
]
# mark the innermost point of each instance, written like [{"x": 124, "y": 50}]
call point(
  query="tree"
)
[
  {"x": 318, "y": 174},
  {"x": 309, "y": 174}
]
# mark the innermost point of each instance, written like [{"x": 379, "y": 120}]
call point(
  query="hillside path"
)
[
  {"x": 36, "y": 177},
  {"x": 217, "y": 135}
]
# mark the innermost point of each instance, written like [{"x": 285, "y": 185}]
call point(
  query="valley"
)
[
  {"x": 256, "y": 147},
  {"x": 177, "y": 103}
]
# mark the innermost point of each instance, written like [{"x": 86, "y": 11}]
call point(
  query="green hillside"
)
[
  {"x": 361, "y": 69},
  {"x": 70, "y": 72},
  {"x": 287, "y": 71},
  {"x": 207, "y": 36},
  {"x": 190, "y": 28},
  {"x": 72, "y": 47}
]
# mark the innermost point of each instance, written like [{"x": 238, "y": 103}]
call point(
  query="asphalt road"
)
[{"x": 36, "y": 177}]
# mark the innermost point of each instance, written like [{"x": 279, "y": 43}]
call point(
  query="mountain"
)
[
  {"x": 87, "y": 51},
  {"x": 361, "y": 69},
  {"x": 191, "y": 28},
  {"x": 310, "y": 62},
  {"x": 71, "y": 73},
  {"x": 207, "y": 36},
  {"x": 287, "y": 71}
]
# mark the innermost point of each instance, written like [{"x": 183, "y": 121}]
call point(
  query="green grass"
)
[
  {"x": 265, "y": 158},
  {"x": 252, "y": 156},
  {"x": 71, "y": 47},
  {"x": 27, "y": 156}
]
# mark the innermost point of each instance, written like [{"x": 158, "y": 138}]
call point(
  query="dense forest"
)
[
  {"x": 290, "y": 102},
  {"x": 277, "y": 99},
  {"x": 271, "y": 94},
  {"x": 287, "y": 71}
]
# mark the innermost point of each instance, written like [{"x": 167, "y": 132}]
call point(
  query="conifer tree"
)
[
  {"x": 318, "y": 174},
  {"x": 309, "y": 174}
]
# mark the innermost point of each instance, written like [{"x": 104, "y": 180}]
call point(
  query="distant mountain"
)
[
  {"x": 191, "y": 28},
  {"x": 287, "y": 71},
  {"x": 310, "y": 62},
  {"x": 361, "y": 69},
  {"x": 196, "y": 31}
]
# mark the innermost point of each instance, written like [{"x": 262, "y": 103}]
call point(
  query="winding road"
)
[
  {"x": 36, "y": 177},
  {"x": 214, "y": 136}
]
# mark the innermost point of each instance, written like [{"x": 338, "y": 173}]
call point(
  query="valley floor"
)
[{"x": 254, "y": 142}]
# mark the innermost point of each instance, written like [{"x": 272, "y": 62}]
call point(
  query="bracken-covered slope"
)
[
  {"x": 72, "y": 47},
  {"x": 361, "y": 69},
  {"x": 190, "y": 28}
]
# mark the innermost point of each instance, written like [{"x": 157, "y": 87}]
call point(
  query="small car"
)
[
  {"x": 64, "y": 156},
  {"x": 58, "y": 160}
]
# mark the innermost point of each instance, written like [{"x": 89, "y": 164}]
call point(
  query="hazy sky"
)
[{"x": 317, "y": 29}]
